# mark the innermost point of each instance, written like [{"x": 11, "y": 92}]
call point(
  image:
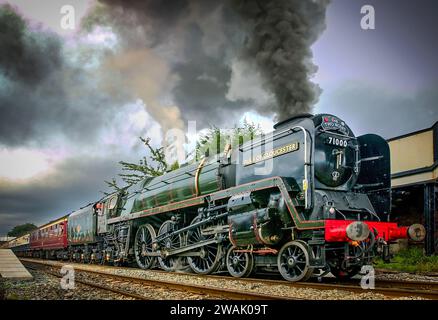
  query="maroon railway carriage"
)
[{"x": 50, "y": 240}]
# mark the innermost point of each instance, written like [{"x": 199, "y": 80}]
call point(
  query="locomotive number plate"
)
[
  {"x": 336, "y": 142},
  {"x": 291, "y": 147}
]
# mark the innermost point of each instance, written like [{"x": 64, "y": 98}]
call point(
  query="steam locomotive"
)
[{"x": 307, "y": 199}]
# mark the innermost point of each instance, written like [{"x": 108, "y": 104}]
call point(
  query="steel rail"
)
[
  {"x": 390, "y": 288},
  {"x": 92, "y": 284},
  {"x": 184, "y": 287}
]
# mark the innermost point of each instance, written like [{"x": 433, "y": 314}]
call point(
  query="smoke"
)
[
  {"x": 204, "y": 45},
  {"x": 146, "y": 76},
  {"x": 280, "y": 34},
  {"x": 202, "y": 60},
  {"x": 190, "y": 44}
]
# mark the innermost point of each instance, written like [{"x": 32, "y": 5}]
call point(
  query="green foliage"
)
[
  {"x": 152, "y": 166},
  {"x": 21, "y": 230},
  {"x": 113, "y": 186},
  {"x": 174, "y": 166},
  {"x": 411, "y": 259},
  {"x": 215, "y": 140}
]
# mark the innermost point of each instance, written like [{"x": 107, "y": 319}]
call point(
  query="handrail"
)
[
  {"x": 335, "y": 134},
  {"x": 307, "y": 162}
]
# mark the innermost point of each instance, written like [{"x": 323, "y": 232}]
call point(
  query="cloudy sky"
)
[{"x": 74, "y": 101}]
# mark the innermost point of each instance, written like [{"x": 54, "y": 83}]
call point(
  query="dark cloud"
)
[
  {"x": 370, "y": 109},
  {"x": 42, "y": 93},
  {"x": 26, "y": 57},
  {"x": 73, "y": 184}
]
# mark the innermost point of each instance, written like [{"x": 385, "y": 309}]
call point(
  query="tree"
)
[
  {"x": 136, "y": 172},
  {"x": 21, "y": 230},
  {"x": 215, "y": 140}
]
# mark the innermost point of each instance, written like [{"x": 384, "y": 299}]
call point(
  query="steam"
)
[
  {"x": 205, "y": 46},
  {"x": 145, "y": 76}
]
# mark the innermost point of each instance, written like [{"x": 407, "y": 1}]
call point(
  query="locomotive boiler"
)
[{"x": 307, "y": 199}]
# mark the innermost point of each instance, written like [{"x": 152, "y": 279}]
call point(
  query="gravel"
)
[
  {"x": 47, "y": 287},
  {"x": 403, "y": 276},
  {"x": 149, "y": 292},
  {"x": 274, "y": 290}
]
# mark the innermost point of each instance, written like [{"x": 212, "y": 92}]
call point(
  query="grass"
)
[{"x": 412, "y": 260}]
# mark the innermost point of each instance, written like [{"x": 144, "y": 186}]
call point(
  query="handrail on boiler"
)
[{"x": 307, "y": 162}]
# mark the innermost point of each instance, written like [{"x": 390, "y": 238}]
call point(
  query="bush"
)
[{"x": 411, "y": 259}]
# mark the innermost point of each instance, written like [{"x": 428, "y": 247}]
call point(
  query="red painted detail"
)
[
  {"x": 336, "y": 230},
  {"x": 260, "y": 251}
]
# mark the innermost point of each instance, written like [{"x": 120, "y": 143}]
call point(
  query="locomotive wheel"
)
[
  {"x": 239, "y": 264},
  {"x": 143, "y": 244},
  {"x": 173, "y": 242},
  {"x": 210, "y": 255},
  {"x": 293, "y": 261}
]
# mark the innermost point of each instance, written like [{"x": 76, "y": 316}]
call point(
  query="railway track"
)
[
  {"x": 91, "y": 284},
  {"x": 389, "y": 288},
  {"x": 169, "y": 285},
  {"x": 392, "y": 288}
]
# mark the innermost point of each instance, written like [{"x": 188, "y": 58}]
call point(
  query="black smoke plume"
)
[
  {"x": 204, "y": 42},
  {"x": 280, "y": 34}
]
